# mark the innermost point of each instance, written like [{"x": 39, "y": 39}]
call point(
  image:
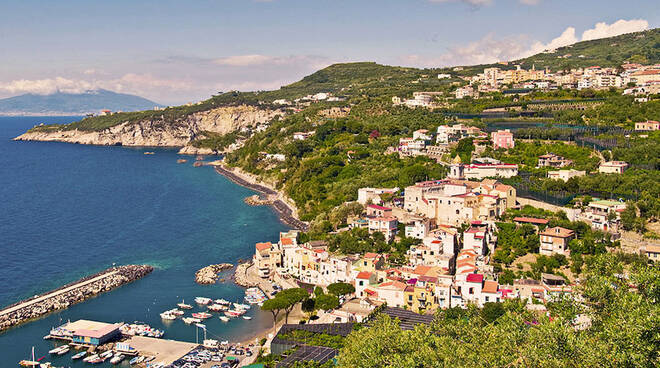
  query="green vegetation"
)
[
  {"x": 527, "y": 153},
  {"x": 639, "y": 47},
  {"x": 327, "y": 169},
  {"x": 623, "y": 329},
  {"x": 514, "y": 242},
  {"x": 285, "y": 301}
]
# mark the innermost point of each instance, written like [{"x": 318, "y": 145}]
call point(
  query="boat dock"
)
[
  {"x": 164, "y": 351},
  {"x": 70, "y": 294}
]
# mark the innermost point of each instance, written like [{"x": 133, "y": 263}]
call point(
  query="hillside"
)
[
  {"x": 60, "y": 103},
  {"x": 368, "y": 79}
]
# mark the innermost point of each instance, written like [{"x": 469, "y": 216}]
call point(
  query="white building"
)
[
  {"x": 613, "y": 167},
  {"x": 565, "y": 174}
]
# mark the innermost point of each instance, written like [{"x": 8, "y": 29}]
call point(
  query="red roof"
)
[
  {"x": 286, "y": 241},
  {"x": 263, "y": 246},
  {"x": 379, "y": 207},
  {"x": 370, "y": 255},
  {"x": 531, "y": 220},
  {"x": 364, "y": 275},
  {"x": 475, "y": 277}
]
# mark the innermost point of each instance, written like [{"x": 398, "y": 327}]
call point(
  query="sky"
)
[{"x": 175, "y": 52}]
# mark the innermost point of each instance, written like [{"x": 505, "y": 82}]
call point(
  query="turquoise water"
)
[{"x": 70, "y": 210}]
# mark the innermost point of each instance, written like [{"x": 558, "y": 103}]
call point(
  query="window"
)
[
  {"x": 471, "y": 291},
  {"x": 361, "y": 283}
]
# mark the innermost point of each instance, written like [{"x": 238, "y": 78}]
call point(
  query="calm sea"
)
[{"x": 68, "y": 210}]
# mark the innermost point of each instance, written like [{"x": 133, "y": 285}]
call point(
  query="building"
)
[
  {"x": 466, "y": 91},
  {"x": 536, "y": 222},
  {"x": 482, "y": 171},
  {"x": 419, "y": 228},
  {"x": 263, "y": 260},
  {"x": 552, "y": 160},
  {"x": 385, "y": 225},
  {"x": 502, "y": 139},
  {"x": 603, "y": 215},
  {"x": 613, "y": 167},
  {"x": 391, "y": 292},
  {"x": 652, "y": 252},
  {"x": 363, "y": 280},
  {"x": 648, "y": 125},
  {"x": 555, "y": 240},
  {"x": 565, "y": 174},
  {"x": 301, "y": 136},
  {"x": 378, "y": 211},
  {"x": 365, "y": 195},
  {"x": 91, "y": 332}
]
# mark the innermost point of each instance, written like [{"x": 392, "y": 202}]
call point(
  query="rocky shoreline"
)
[
  {"x": 240, "y": 275},
  {"x": 209, "y": 274},
  {"x": 286, "y": 212},
  {"x": 70, "y": 294}
]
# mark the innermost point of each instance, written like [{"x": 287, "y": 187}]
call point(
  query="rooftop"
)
[
  {"x": 531, "y": 220},
  {"x": 558, "y": 232}
]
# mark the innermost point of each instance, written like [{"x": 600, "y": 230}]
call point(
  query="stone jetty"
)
[
  {"x": 209, "y": 274},
  {"x": 70, "y": 294},
  {"x": 241, "y": 277}
]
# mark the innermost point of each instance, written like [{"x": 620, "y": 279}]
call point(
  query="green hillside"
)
[{"x": 382, "y": 81}]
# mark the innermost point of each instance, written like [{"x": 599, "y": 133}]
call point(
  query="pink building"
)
[{"x": 502, "y": 139}]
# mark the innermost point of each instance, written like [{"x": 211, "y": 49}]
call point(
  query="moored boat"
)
[
  {"x": 90, "y": 358},
  {"x": 183, "y": 305},
  {"x": 190, "y": 320},
  {"x": 201, "y": 300},
  {"x": 117, "y": 358},
  {"x": 79, "y": 355},
  {"x": 167, "y": 316},
  {"x": 247, "y": 317},
  {"x": 64, "y": 350},
  {"x": 202, "y": 315},
  {"x": 224, "y": 318}
]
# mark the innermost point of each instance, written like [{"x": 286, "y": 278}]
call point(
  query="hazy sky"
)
[{"x": 180, "y": 51}]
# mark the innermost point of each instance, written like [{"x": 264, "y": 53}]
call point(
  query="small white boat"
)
[
  {"x": 203, "y": 301},
  {"x": 183, "y": 305},
  {"x": 79, "y": 355},
  {"x": 117, "y": 358},
  {"x": 202, "y": 315},
  {"x": 224, "y": 318},
  {"x": 64, "y": 350},
  {"x": 176, "y": 312},
  {"x": 247, "y": 317},
  {"x": 222, "y": 302},
  {"x": 106, "y": 354},
  {"x": 90, "y": 358},
  {"x": 48, "y": 337},
  {"x": 168, "y": 316},
  {"x": 191, "y": 320},
  {"x": 57, "y": 349}
]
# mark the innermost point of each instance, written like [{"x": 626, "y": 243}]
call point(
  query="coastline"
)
[{"x": 282, "y": 204}]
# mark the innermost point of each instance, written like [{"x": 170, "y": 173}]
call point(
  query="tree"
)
[
  {"x": 492, "y": 311},
  {"x": 274, "y": 306},
  {"x": 340, "y": 289},
  {"x": 327, "y": 302},
  {"x": 291, "y": 297}
]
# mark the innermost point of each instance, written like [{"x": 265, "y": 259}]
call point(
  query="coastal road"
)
[{"x": 55, "y": 293}]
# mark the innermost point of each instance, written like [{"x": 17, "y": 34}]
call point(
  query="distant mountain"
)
[{"x": 60, "y": 103}]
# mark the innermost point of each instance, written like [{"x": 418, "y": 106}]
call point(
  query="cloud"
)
[
  {"x": 566, "y": 38},
  {"x": 487, "y": 50},
  {"x": 132, "y": 83},
  {"x": 46, "y": 86},
  {"x": 491, "y": 49},
  {"x": 244, "y": 60},
  {"x": 530, "y": 2},
  {"x": 621, "y": 26}
]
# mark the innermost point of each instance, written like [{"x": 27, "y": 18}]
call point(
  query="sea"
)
[{"x": 68, "y": 211}]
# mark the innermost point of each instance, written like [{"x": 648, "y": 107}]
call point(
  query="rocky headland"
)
[{"x": 162, "y": 132}]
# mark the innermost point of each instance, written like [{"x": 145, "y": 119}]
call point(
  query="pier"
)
[{"x": 70, "y": 294}]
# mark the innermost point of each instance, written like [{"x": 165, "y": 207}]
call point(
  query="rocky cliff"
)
[{"x": 162, "y": 132}]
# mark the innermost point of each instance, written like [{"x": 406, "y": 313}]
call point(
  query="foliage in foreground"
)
[{"x": 624, "y": 330}]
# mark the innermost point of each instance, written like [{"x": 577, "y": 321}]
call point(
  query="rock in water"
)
[{"x": 209, "y": 274}]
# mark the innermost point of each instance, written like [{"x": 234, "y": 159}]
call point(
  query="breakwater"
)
[
  {"x": 283, "y": 210},
  {"x": 70, "y": 294},
  {"x": 209, "y": 274}
]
